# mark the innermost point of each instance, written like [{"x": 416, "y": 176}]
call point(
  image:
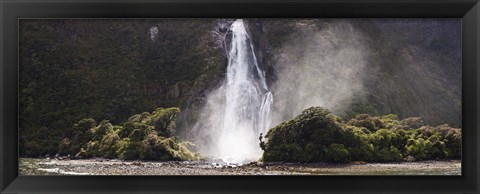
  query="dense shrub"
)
[
  {"x": 306, "y": 137},
  {"x": 103, "y": 128},
  {"x": 107, "y": 145},
  {"x": 81, "y": 134},
  {"x": 163, "y": 121},
  {"x": 388, "y": 154},
  {"x": 367, "y": 121},
  {"x": 360, "y": 148},
  {"x": 413, "y": 122},
  {"x": 317, "y": 136},
  {"x": 144, "y": 136},
  {"x": 453, "y": 142},
  {"x": 337, "y": 153}
]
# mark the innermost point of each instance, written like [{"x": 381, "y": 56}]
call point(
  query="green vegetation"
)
[
  {"x": 109, "y": 70},
  {"x": 316, "y": 135},
  {"x": 146, "y": 136}
]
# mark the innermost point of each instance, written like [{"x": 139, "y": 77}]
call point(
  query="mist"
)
[{"x": 319, "y": 65}]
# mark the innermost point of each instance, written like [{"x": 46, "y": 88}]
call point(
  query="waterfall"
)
[{"x": 248, "y": 101}]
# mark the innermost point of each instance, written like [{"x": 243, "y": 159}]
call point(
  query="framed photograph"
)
[{"x": 239, "y": 96}]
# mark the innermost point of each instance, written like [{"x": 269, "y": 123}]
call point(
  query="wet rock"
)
[
  {"x": 232, "y": 165},
  {"x": 137, "y": 164},
  {"x": 216, "y": 165}
]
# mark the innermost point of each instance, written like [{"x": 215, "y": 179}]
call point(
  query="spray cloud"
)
[{"x": 320, "y": 65}]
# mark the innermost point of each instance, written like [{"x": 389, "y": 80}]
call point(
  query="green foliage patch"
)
[
  {"x": 146, "y": 136},
  {"x": 109, "y": 70},
  {"x": 316, "y": 135}
]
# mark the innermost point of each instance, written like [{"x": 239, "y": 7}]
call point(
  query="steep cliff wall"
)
[{"x": 408, "y": 67}]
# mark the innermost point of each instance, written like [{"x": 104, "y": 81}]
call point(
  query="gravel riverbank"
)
[{"x": 33, "y": 166}]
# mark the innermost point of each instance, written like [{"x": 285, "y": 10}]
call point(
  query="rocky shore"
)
[{"x": 33, "y": 166}]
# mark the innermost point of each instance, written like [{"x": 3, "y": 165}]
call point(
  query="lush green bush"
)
[
  {"x": 359, "y": 146},
  {"x": 387, "y": 154},
  {"x": 163, "y": 121},
  {"x": 413, "y": 122},
  {"x": 144, "y": 136},
  {"x": 316, "y": 135},
  {"x": 367, "y": 121},
  {"x": 453, "y": 143},
  {"x": 337, "y": 153},
  {"x": 103, "y": 128},
  {"x": 306, "y": 137},
  {"x": 107, "y": 145}
]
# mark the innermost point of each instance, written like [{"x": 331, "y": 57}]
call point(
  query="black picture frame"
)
[{"x": 12, "y": 10}]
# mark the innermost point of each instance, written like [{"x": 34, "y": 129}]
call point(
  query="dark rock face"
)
[{"x": 418, "y": 69}]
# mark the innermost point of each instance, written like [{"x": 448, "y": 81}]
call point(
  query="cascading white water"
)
[{"x": 248, "y": 101}]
